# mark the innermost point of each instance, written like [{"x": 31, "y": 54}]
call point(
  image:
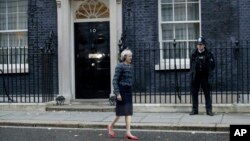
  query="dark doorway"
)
[{"x": 92, "y": 60}]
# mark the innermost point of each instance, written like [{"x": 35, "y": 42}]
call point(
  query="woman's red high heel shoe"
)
[
  {"x": 111, "y": 132},
  {"x": 132, "y": 137}
]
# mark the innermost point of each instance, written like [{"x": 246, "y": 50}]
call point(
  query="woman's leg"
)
[
  {"x": 110, "y": 127},
  {"x": 128, "y": 132},
  {"x": 114, "y": 121},
  {"x": 128, "y": 123}
]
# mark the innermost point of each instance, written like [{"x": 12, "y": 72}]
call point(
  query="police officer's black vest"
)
[{"x": 202, "y": 62}]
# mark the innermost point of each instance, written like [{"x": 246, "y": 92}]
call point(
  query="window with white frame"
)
[
  {"x": 13, "y": 36},
  {"x": 179, "y": 20}
]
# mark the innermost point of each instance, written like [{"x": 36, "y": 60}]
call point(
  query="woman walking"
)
[{"x": 122, "y": 83}]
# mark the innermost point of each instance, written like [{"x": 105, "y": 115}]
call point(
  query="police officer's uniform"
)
[{"x": 202, "y": 65}]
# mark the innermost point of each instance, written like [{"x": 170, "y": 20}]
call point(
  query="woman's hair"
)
[{"x": 125, "y": 53}]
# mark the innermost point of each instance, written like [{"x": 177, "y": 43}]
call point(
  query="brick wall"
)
[
  {"x": 42, "y": 21},
  {"x": 140, "y": 19},
  {"x": 244, "y": 13},
  {"x": 219, "y": 20}
]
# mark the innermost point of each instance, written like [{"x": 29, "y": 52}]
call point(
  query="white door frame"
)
[{"x": 66, "y": 60}]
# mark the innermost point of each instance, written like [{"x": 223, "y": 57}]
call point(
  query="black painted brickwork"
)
[
  {"x": 42, "y": 21},
  {"x": 244, "y": 14}
]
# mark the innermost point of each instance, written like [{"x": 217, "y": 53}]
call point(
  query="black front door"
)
[{"x": 92, "y": 60}]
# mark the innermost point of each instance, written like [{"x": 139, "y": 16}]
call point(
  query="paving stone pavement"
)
[{"x": 220, "y": 121}]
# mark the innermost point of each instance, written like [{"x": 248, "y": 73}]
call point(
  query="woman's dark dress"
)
[{"x": 122, "y": 83}]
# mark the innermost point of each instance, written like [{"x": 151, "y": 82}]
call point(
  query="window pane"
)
[
  {"x": 166, "y": 1},
  {"x": 12, "y": 6},
  {"x": 180, "y": 32},
  {"x": 22, "y": 38},
  {"x": 3, "y": 22},
  {"x": 193, "y": 31},
  {"x": 167, "y": 12},
  {"x": 167, "y": 32},
  {"x": 23, "y": 5},
  {"x": 191, "y": 46},
  {"x": 22, "y": 23},
  {"x": 13, "y": 40},
  {"x": 3, "y": 39},
  {"x": 24, "y": 55},
  {"x": 193, "y": 11},
  {"x": 2, "y": 6},
  {"x": 177, "y": 52},
  {"x": 3, "y": 55},
  {"x": 18, "y": 55},
  {"x": 12, "y": 21},
  {"x": 180, "y": 12},
  {"x": 12, "y": 53},
  {"x": 18, "y": 39},
  {"x": 181, "y": 50},
  {"x": 167, "y": 50}
]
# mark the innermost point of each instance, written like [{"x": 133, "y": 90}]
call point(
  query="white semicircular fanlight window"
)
[{"x": 91, "y": 9}]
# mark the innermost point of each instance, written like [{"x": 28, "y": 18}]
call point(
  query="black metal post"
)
[
  {"x": 176, "y": 75},
  {"x": 4, "y": 87}
]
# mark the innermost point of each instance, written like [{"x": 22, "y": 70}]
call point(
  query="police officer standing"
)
[{"x": 202, "y": 64}]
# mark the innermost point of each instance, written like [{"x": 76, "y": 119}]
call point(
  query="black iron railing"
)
[
  {"x": 26, "y": 75},
  {"x": 162, "y": 74}
]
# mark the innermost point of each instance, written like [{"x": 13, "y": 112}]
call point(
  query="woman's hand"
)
[{"x": 119, "y": 98}]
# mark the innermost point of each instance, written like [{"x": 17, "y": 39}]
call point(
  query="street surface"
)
[{"x": 80, "y": 134}]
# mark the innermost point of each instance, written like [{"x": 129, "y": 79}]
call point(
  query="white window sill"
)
[
  {"x": 172, "y": 64},
  {"x": 14, "y": 68}
]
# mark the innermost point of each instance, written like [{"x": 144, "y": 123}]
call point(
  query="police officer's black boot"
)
[
  {"x": 194, "y": 109},
  {"x": 194, "y": 112},
  {"x": 210, "y": 113}
]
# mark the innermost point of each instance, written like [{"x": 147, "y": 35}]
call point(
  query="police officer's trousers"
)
[{"x": 201, "y": 81}]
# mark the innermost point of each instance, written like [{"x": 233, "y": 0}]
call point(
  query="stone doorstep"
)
[{"x": 103, "y": 125}]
